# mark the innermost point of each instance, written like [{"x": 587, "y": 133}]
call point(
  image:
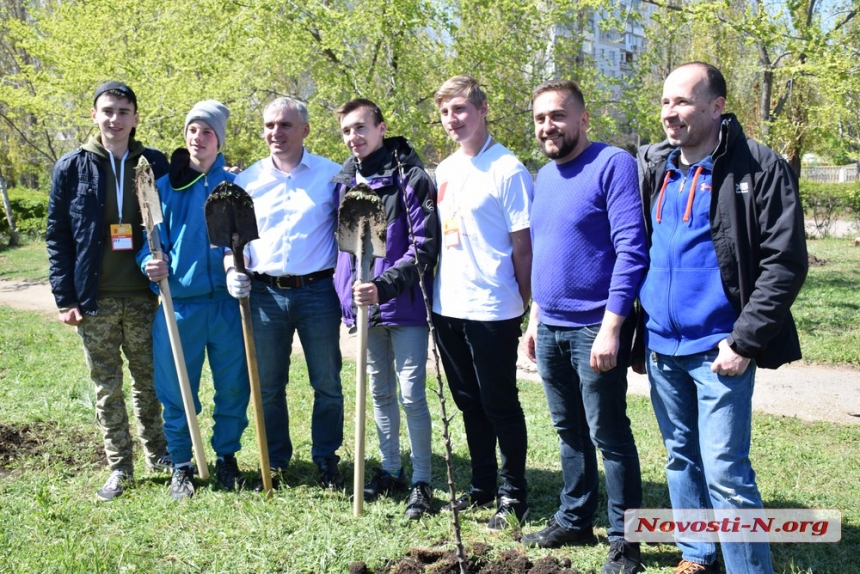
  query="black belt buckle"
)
[{"x": 288, "y": 282}]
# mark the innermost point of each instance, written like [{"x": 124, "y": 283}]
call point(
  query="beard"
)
[{"x": 565, "y": 147}]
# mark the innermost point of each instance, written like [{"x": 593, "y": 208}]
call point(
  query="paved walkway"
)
[{"x": 808, "y": 392}]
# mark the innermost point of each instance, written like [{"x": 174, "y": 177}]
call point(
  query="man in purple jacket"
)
[
  {"x": 397, "y": 338},
  {"x": 588, "y": 241}
]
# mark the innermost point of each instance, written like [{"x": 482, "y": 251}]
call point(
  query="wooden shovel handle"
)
[
  {"x": 360, "y": 400},
  {"x": 254, "y": 378},
  {"x": 184, "y": 384}
]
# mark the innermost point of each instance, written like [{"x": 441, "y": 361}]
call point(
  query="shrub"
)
[
  {"x": 826, "y": 202},
  {"x": 30, "y": 208}
]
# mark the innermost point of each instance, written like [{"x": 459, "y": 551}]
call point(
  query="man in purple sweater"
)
[{"x": 589, "y": 250}]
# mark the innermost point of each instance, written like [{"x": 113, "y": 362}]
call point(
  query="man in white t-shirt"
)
[
  {"x": 481, "y": 292},
  {"x": 291, "y": 267}
]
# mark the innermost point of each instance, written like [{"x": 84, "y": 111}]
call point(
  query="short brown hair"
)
[
  {"x": 359, "y": 103},
  {"x": 465, "y": 86},
  {"x": 568, "y": 87}
]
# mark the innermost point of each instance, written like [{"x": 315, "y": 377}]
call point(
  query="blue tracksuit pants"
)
[{"x": 210, "y": 327}]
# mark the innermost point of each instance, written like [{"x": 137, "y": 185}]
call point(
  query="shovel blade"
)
[
  {"x": 230, "y": 218},
  {"x": 361, "y": 223},
  {"x": 147, "y": 194}
]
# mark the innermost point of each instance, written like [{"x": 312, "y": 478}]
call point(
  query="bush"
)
[
  {"x": 30, "y": 208},
  {"x": 826, "y": 202}
]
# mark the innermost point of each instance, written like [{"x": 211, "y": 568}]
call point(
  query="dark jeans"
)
[
  {"x": 589, "y": 409},
  {"x": 480, "y": 360},
  {"x": 313, "y": 311}
]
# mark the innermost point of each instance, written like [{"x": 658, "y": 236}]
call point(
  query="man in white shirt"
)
[
  {"x": 481, "y": 292},
  {"x": 289, "y": 280}
]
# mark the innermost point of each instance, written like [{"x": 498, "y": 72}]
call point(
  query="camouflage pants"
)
[{"x": 124, "y": 323}]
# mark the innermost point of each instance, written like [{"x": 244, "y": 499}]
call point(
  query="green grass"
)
[
  {"x": 51, "y": 522},
  {"x": 827, "y": 311},
  {"x": 28, "y": 261}
]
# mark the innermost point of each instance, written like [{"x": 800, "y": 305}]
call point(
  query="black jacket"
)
[
  {"x": 757, "y": 229},
  {"x": 75, "y": 223}
]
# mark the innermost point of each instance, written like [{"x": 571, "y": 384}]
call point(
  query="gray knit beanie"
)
[{"x": 215, "y": 115}]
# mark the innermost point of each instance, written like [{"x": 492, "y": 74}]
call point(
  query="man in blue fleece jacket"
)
[
  {"x": 588, "y": 240},
  {"x": 728, "y": 257},
  {"x": 207, "y": 317}
]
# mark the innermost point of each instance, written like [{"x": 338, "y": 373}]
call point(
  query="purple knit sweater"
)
[{"x": 588, "y": 237}]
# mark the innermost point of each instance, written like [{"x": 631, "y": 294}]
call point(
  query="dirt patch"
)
[
  {"x": 45, "y": 444},
  {"x": 478, "y": 561},
  {"x": 816, "y": 261}
]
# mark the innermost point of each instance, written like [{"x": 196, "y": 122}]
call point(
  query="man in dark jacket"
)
[
  {"x": 397, "y": 339},
  {"x": 728, "y": 258},
  {"x": 93, "y": 234}
]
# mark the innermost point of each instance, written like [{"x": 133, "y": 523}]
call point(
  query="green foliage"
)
[
  {"x": 791, "y": 80},
  {"x": 823, "y": 203},
  {"x": 396, "y": 52},
  {"x": 30, "y": 208}
]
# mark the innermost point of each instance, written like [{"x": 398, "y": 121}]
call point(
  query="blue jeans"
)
[
  {"x": 313, "y": 311},
  {"x": 589, "y": 409},
  {"x": 706, "y": 419},
  {"x": 398, "y": 353},
  {"x": 480, "y": 361}
]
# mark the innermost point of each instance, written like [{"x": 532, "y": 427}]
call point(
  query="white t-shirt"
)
[
  {"x": 486, "y": 198},
  {"x": 296, "y": 216}
]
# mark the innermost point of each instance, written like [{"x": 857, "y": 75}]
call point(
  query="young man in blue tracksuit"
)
[
  {"x": 397, "y": 338},
  {"x": 208, "y": 318}
]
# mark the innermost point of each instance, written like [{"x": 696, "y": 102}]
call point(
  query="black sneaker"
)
[
  {"x": 227, "y": 473},
  {"x": 277, "y": 476},
  {"x": 331, "y": 478},
  {"x": 383, "y": 483},
  {"x": 511, "y": 512},
  {"x": 624, "y": 558},
  {"x": 114, "y": 485},
  {"x": 419, "y": 501},
  {"x": 181, "y": 484},
  {"x": 472, "y": 499},
  {"x": 163, "y": 463},
  {"x": 556, "y": 535}
]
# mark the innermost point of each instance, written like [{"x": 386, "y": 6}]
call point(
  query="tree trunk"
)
[{"x": 10, "y": 217}]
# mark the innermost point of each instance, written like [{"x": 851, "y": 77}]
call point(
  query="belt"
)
[{"x": 293, "y": 281}]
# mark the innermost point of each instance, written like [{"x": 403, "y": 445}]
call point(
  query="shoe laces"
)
[
  {"x": 115, "y": 480},
  {"x": 616, "y": 549},
  {"x": 229, "y": 466},
  {"x": 164, "y": 460},
  {"x": 420, "y": 495},
  {"x": 506, "y": 505},
  {"x": 182, "y": 475},
  {"x": 687, "y": 567},
  {"x": 380, "y": 479}
]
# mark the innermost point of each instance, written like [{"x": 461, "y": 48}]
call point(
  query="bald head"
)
[{"x": 692, "y": 105}]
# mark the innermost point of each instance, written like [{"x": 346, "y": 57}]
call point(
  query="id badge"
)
[
  {"x": 121, "y": 237},
  {"x": 451, "y": 232}
]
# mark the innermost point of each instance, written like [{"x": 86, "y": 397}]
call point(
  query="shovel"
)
[
  {"x": 150, "y": 210},
  {"x": 361, "y": 228},
  {"x": 231, "y": 222}
]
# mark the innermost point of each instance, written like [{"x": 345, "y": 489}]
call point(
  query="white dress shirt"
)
[{"x": 296, "y": 216}]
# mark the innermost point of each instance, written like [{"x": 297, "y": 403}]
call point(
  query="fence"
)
[{"x": 830, "y": 173}]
